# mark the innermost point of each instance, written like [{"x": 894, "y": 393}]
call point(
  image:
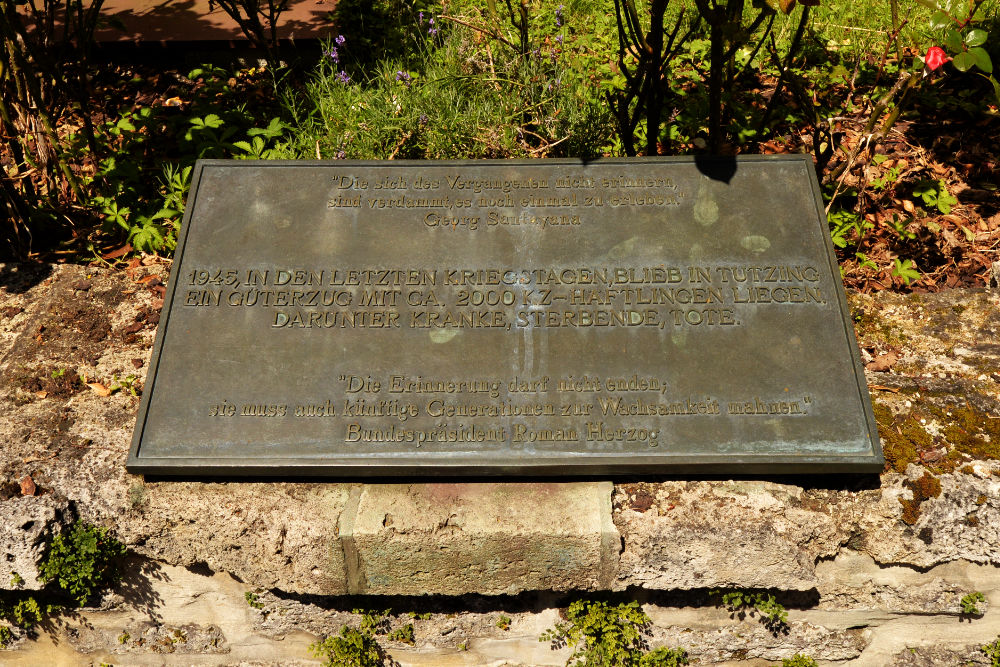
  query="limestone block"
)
[
  {"x": 743, "y": 534},
  {"x": 960, "y": 524},
  {"x": 270, "y": 535},
  {"x": 969, "y": 656},
  {"x": 749, "y": 639},
  {"x": 853, "y": 581},
  {"x": 27, "y": 525},
  {"x": 452, "y": 539}
]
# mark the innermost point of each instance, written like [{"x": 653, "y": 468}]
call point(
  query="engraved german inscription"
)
[{"x": 529, "y": 318}]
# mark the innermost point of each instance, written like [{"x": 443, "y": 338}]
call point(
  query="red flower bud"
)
[{"x": 935, "y": 58}]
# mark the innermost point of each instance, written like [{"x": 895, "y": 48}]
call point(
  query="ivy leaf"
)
[
  {"x": 906, "y": 270},
  {"x": 996, "y": 88},
  {"x": 940, "y": 20},
  {"x": 976, "y": 37},
  {"x": 963, "y": 61},
  {"x": 953, "y": 40},
  {"x": 982, "y": 59}
]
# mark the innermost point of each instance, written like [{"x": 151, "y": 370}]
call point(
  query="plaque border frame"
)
[{"x": 590, "y": 464}]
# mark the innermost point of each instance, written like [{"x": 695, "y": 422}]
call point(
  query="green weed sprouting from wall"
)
[
  {"x": 604, "y": 635},
  {"x": 82, "y": 561},
  {"x": 992, "y": 651},
  {"x": 358, "y": 647},
  {"x": 770, "y": 612},
  {"x": 970, "y": 603},
  {"x": 799, "y": 660},
  {"x": 78, "y": 563}
]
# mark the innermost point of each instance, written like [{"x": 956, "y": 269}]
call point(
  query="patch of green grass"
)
[{"x": 465, "y": 93}]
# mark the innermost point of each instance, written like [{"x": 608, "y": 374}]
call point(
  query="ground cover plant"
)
[
  {"x": 610, "y": 635},
  {"x": 78, "y": 563},
  {"x": 896, "y": 101}
]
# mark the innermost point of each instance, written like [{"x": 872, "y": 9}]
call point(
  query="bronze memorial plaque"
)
[{"x": 538, "y": 317}]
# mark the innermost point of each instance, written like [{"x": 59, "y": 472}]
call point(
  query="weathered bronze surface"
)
[{"x": 505, "y": 318}]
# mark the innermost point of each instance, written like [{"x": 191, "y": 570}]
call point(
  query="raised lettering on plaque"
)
[{"x": 545, "y": 317}]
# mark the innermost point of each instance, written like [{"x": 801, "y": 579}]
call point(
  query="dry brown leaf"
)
[
  {"x": 28, "y": 486},
  {"x": 882, "y": 362},
  {"x": 32, "y": 459},
  {"x": 99, "y": 388},
  {"x": 41, "y": 394},
  {"x": 124, "y": 250},
  {"x": 908, "y": 206}
]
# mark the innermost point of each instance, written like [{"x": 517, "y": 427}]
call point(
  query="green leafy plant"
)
[
  {"x": 144, "y": 157},
  {"x": 846, "y": 227},
  {"x": 126, "y": 384},
  {"x": 970, "y": 603},
  {"x": 886, "y": 179},
  {"x": 403, "y": 634},
  {"x": 351, "y": 648},
  {"x": 962, "y": 36},
  {"x": 900, "y": 226},
  {"x": 25, "y": 613},
  {"x": 253, "y": 600},
  {"x": 992, "y": 651},
  {"x": 503, "y": 622},
  {"x": 261, "y": 144},
  {"x": 82, "y": 561},
  {"x": 604, "y": 635},
  {"x": 771, "y": 613},
  {"x": 934, "y": 194},
  {"x": 665, "y": 657},
  {"x": 374, "y": 622},
  {"x": 358, "y": 647},
  {"x": 905, "y": 270},
  {"x": 799, "y": 660},
  {"x": 16, "y": 580}
]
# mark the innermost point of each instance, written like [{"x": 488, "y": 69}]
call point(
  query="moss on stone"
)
[
  {"x": 874, "y": 330},
  {"x": 970, "y": 433},
  {"x": 924, "y": 488},
  {"x": 902, "y": 438}
]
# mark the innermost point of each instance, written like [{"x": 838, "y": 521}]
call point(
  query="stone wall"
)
[{"x": 870, "y": 569}]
